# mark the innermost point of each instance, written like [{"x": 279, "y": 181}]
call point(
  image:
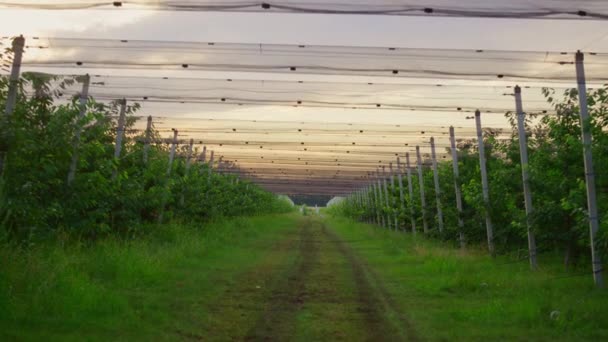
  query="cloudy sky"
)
[{"x": 308, "y": 29}]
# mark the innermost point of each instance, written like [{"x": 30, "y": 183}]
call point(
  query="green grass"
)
[
  {"x": 223, "y": 280},
  {"x": 154, "y": 288},
  {"x": 450, "y": 295}
]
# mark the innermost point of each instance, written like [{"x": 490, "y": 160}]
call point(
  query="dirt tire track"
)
[
  {"x": 374, "y": 297},
  {"x": 277, "y": 321}
]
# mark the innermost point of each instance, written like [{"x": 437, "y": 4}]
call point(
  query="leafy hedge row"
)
[
  {"x": 557, "y": 182},
  {"x": 36, "y": 200}
]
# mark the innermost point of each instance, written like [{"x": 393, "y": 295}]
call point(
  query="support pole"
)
[
  {"x": 210, "y": 169},
  {"x": 386, "y": 200},
  {"x": 421, "y": 183},
  {"x": 372, "y": 198},
  {"x": 84, "y": 97},
  {"x": 437, "y": 188},
  {"x": 189, "y": 158},
  {"x": 172, "y": 153},
  {"x": 13, "y": 87},
  {"x": 188, "y": 161},
  {"x": 589, "y": 170},
  {"x": 484, "y": 182},
  {"x": 410, "y": 188},
  {"x": 400, "y": 183},
  {"x": 523, "y": 152},
  {"x": 394, "y": 199},
  {"x": 120, "y": 133},
  {"x": 169, "y": 168},
  {"x": 204, "y": 154},
  {"x": 457, "y": 188},
  {"x": 377, "y": 202},
  {"x": 148, "y": 139},
  {"x": 381, "y": 198}
]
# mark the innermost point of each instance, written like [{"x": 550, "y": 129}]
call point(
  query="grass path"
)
[
  {"x": 287, "y": 278},
  {"x": 311, "y": 287}
]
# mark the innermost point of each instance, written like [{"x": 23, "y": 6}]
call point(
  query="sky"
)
[{"x": 309, "y": 29}]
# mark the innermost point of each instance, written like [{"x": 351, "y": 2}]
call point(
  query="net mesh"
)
[
  {"x": 309, "y": 119},
  {"x": 593, "y": 9}
]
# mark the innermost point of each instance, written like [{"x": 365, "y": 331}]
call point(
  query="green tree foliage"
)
[
  {"x": 557, "y": 180},
  {"x": 37, "y": 201}
]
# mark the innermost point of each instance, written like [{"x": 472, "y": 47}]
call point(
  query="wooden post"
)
[
  {"x": 120, "y": 133},
  {"x": 457, "y": 188},
  {"x": 148, "y": 139},
  {"x": 523, "y": 153},
  {"x": 421, "y": 183},
  {"x": 437, "y": 188},
  {"x": 410, "y": 187},
  {"x": 13, "y": 87},
  {"x": 589, "y": 170},
  {"x": 484, "y": 182},
  {"x": 84, "y": 97}
]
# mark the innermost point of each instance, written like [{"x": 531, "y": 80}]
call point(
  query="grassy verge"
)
[
  {"x": 155, "y": 288},
  {"x": 453, "y": 295}
]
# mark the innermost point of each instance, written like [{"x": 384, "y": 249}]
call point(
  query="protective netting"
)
[
  {"x": 292, "y": 114},
  {"x": 394, "y": 63},
  {"x": 593, "y": 9}
]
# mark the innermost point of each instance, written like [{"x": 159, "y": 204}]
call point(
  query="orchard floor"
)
[{"x": 290, "y": 278}]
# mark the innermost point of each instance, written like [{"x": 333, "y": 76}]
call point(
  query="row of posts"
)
[
  {"x": 17, "y": 48},
  {"x": 379, "y": 189},
  {"x": 375, "y": 194}
]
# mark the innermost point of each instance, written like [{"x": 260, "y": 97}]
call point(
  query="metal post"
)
[
  {"x": 523, "y": 152},
  {"x": 410, "y": 188},
  {"x": 421, "y": 183},
  {"x": 457, "y": 188},
  {"x": 148, "y": 139},
  {"x": 589, "y": 170},
  {"x": 84, "y": 97},
  {"x": 484, "y": 182},
  {"x": 120, "y": 133},
  {"x": 437, "y": 188}
]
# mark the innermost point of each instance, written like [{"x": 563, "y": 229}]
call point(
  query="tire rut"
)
[
  {"x": 277, "y": 320},
  {"x": 376, "y": 301}
]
